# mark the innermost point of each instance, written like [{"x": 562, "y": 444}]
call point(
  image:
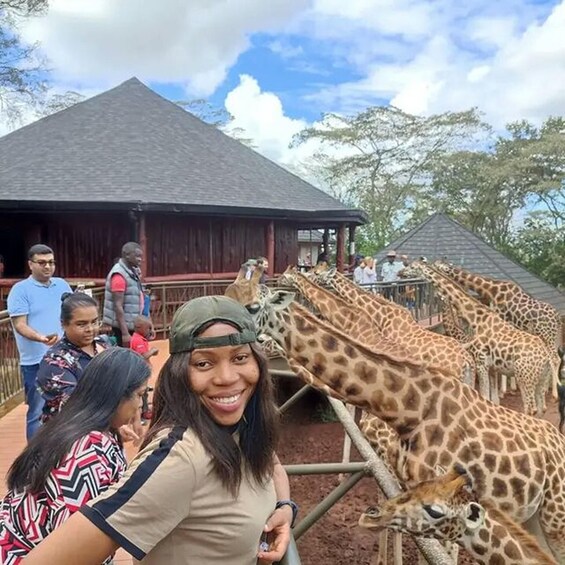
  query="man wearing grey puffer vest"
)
[{"x": 123, "y": 296}]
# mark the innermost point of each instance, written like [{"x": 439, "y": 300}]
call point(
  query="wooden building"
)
[{"x": 129, "y": 165}]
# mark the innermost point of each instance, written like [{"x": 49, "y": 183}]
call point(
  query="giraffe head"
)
[
  {"x": 267, "y": 315},
  {"x": 247, "y": 291},
  {"x": 288, "y": 277},
  {"x": 324, "y": 277},
  {"x": 443, "y": 508}
]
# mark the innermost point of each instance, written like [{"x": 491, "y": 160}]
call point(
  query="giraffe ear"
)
[
  {"x": 280, "y": 299},
  {"x": 474, "y": 516}
]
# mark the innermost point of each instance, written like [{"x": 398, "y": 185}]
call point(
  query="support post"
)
[
  {"x": 352, "y": 251},
  {"x": 142, "y": 239},
  {"x": 340, "y": 244},
  {"x": 270, "y": 237},
  {"x": 326, "y": 241}
]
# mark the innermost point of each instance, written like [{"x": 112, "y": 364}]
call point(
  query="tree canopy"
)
[{"x": 508, "y": 186}]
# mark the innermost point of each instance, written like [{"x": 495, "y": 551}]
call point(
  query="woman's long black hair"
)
[
  {"x": 176, "y": 404},
  {"x": 110, "y": 378}
]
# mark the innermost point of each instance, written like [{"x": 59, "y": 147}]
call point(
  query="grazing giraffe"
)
[
  {"x": 397, "y": 324},
  {"x": 511, "y": 302},
  {"x": 514, "y": 459},
  {"x": 498, "y": 344},
  {"x": 445, "y": 508}
]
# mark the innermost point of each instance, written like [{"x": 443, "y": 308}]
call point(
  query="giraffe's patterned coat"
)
[
  {"x": 516, "y": 460},
  {"x": 445, "y": 508}
]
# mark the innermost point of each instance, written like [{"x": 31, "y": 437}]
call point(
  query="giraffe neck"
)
[
  {"x": 486, "y": 288},
  {"x": 471, "y": 310},
  {"x": 378, "y": 309},
  {"x": 397, "y": 390},
  {"x": 348, "y": 290},
  {"x": 330, "y": 306},
  {"x": 513, "y": 545}
]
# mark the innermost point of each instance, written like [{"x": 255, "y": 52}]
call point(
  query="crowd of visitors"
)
[{"x": 206, "y": 485}]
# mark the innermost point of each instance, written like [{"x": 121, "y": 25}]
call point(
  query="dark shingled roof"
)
[
  {"x": 441, "y": 237},
  {"x": 310, "y": 236},
  {"x": 129, "y": 146}
]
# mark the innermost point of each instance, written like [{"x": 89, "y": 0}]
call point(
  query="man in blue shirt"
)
[{"x": 34, "y": 305}]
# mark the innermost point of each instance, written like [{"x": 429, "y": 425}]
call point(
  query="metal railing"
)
[
  {"x": 416, "y": 295},
  {"x": 10, "y": 379}
]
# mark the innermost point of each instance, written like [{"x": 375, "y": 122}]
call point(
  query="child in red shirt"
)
[{"x": 139, "y": 342}]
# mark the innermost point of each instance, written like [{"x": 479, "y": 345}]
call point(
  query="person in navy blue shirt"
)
[
  {"x": 34, "y": 305},
  {"x": 63, "y": 365}
]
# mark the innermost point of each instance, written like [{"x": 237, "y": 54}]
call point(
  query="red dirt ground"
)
[{"x": 336, "y": 539}]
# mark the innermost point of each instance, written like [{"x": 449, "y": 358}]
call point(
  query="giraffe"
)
[
  {"x": 514, "y": 459},
  {"x": 511, "y": 302},
  {"x": 446, "y": 508},
  {"x": 499, "y": 344},
  {"x": 397, "y": 324},
  {"x": 349, "y": 317},
  {"x": 382, "y": 438},
  {"x": 246, "y": 291}
]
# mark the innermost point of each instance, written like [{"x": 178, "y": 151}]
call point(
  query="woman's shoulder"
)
[
  {"x": 177, "y": 443},
  {"x": 62, "y": 352}
]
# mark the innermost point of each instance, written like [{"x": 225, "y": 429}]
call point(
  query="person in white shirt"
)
[
  {"x": 358, "y": 271},
  {"x": 369, "y": 273},
  {"x": 391, "y": 267}
]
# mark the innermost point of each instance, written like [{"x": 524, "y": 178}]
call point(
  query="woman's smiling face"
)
[{"x": 224, "y": 378}]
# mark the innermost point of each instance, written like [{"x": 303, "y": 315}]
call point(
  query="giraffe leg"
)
[
  {"x": 381, "y": 557},
  {"x": 483, "y": 379},
  {"x": 397, "y": 547},
  {"x": 503, "y": 385},
  {"x": 493, "y": 377}
]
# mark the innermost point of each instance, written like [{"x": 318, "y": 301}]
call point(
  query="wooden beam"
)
[
  {"x": 340, "y": 248},
  {"x": 142, "y": 239},
  {"x": 270, "y": 237},
  {"x": 352, "y": 245},
  {"x": 325, "y": 241}
]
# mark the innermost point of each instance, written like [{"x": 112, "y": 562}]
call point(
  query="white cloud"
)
[
  {"x": 507, "y": 58},
  {"x": 105, "y": 41},
  {"x": 261, "y": 115}
]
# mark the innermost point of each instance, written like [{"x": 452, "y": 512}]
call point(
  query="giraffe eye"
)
[{"x": 434, "y": 512}]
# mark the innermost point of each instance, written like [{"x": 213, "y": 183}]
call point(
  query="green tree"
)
[
  {"x": 540, "y": 247},
  {"x": 381, "y": 161},
  {"x": 23, "y": 81},
  {"x": 217, "y": 117}
]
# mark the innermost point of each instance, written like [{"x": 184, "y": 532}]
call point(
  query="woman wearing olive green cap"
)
[{"x": 207, "y": 478}]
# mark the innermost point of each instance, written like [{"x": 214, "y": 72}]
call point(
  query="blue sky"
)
[{"x": 278, "y": 65}]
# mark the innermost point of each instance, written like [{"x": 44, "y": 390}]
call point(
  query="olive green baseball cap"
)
[{"x": 192, "y": 316}]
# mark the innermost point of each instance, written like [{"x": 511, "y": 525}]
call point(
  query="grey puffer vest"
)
[{"x": 132, "y": 296}]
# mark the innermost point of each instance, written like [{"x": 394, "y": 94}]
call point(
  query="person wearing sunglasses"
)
[{"x": 34, "y": 305}]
